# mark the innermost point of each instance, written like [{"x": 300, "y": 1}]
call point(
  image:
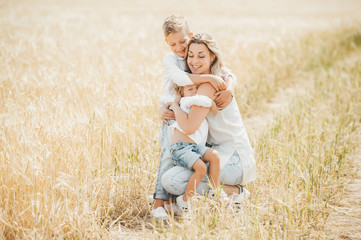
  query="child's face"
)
[
  {"x": 190, "y": 90},
  {"x": 199, "y": 59},
  {"x": 178, "y": 42}
]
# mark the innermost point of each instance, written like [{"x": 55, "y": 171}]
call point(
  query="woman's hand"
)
[
  {"x": 218, "y": 83},
  {"x": 223, "y": 98},
  {"x": 166, "y": 114}
]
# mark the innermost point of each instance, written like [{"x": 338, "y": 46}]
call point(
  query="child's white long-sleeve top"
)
[
  {"x": 173, "y": 73},
  {"x": 201, "y": 134}
]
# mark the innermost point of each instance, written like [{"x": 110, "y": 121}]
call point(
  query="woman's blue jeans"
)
[{"x": 176, "y": 178}]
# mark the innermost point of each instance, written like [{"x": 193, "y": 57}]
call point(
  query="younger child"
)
[{"x": 189, "y": 150}]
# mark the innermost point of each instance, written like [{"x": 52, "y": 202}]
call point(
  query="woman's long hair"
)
[{"x": 217, "y": 67}]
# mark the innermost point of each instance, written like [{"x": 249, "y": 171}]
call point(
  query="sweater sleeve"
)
[
  {"x": 171, "y": 71},
  {"x": 187, "y": 102}
]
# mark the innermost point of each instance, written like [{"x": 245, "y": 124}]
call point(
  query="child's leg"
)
[
  {"x": 213, "y": 158},
  {"x": 165, "y": 163},
  {"x": 200, "y": 170}
]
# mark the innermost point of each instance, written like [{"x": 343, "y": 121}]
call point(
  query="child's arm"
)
[
  {"x": 217, "y": 82},
  {"x": 172, "y": 72},
  {"x": 190, "y": 122},
  {"x": 181, "y": 78},
  {"x": 224, "y": 97}
]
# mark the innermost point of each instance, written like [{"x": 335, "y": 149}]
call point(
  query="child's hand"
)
[
  {"x": 223, "y": 98},
  {"x": 166, "y": 114},
  {"x": 218, "y": 83}
]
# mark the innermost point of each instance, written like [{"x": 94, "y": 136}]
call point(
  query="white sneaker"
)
[
  {"x": 173, "y": 208},
  {"x": 168, "y": 207},
  {"x": 238, "y": 199},
  {"x": 218, "y": 194},
  {"x": 183, "y": 205},
  {"x": 160, "y": 213},
  {"x": 244, "y": 191},
  {"x": 151, "y": 199}
]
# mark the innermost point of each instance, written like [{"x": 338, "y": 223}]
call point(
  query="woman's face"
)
[{"x": 199, "y": 59}]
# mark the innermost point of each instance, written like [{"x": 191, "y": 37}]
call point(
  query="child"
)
[
  {"x": 189, "y": 150},
  {"x": 177, "y": 35}
]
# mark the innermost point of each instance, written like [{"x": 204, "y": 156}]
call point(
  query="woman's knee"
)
[
  {"x": 166, "y": 182},
  {"x": 175, "y": 180}
]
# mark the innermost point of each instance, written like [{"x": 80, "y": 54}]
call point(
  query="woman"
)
[{"x": 227, "y": 133}]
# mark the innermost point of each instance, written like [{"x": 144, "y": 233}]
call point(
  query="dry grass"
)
[{"x": 79, "y": 85}]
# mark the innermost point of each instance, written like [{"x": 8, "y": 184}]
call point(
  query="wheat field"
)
[{"x": 79, "y": 89}]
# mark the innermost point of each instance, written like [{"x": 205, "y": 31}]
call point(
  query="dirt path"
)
[{"x": 278, "y": 105}]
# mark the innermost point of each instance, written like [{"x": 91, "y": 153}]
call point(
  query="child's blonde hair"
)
[
  {"x": 179, "y": 89},
  {"x": 175, "y": 23},
  {"x": 217, "y": 67}
]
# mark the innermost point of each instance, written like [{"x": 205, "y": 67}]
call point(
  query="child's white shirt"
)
[
  {"x": 173, "y": 73},
  {"x": 201, "y": 134}
]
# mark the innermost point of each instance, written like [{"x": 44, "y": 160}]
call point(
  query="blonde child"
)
[{"x": 177, "y": 36}]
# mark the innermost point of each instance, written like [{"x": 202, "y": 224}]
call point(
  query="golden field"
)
[{"x": 79, "y": 89}]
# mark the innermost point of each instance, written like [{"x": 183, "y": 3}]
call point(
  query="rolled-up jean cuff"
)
[{"x": 161, "y": 196}]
